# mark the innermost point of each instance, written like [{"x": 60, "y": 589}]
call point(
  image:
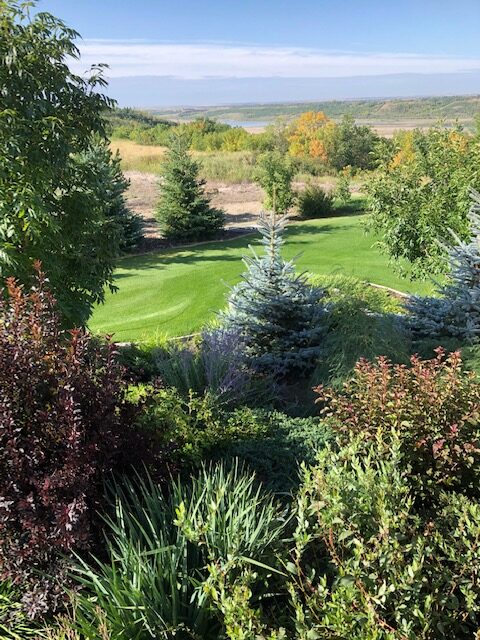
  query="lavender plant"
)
[{"x": 213, "y": 364}]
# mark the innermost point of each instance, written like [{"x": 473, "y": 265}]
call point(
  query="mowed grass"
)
[{"x": 175, "y": 292}]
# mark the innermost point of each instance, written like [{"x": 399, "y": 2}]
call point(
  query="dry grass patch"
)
[{"x": 139, "y": 157}]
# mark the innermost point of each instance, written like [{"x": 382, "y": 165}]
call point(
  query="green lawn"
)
[{"x": 175, "y": 292}]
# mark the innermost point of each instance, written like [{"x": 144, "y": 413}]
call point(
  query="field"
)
[
  {"x": 175, "y": 292},
  {"x": 234, "y": 166},
  {"x": 383, "y": 115}
]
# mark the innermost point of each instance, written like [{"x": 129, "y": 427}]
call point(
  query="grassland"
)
[
  {"x": 228, "y": 166},
  {"x": 175, "y": 292},
  {"x": 139, "y": 157}
]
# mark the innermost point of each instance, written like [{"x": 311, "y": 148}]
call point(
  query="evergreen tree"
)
[
  {"x": 456, "y": 311},
  {"x": 184, "y": 211},
  {"x": 108, "y": 186},
  {"x": 275, "y": 310}
]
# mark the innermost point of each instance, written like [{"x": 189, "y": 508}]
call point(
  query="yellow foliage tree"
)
[
  {"x": 404, "y": 140},
  {"x": 310, "y": 135}
]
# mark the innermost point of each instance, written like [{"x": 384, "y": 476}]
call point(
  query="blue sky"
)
[{"x": 232, "y": 51}]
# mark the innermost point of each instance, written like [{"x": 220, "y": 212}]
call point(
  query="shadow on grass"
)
[
  {"x": 353, "y": 209},
  {"x": 309, "y": 228}
]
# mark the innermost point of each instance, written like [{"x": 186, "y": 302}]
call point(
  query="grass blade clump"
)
[{"x": 155, "y": 581}]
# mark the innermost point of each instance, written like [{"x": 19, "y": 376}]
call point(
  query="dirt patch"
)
[
  {"x": 142, "y": 197},
  {"x": 242, "y": 203}
]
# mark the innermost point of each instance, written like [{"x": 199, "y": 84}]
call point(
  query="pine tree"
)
[
  {"x": 184, "y": 211},
  {"x": 275, "y": 310},
  {"x": 456, "y": 310},
  {"x": 104, "y": 171}
]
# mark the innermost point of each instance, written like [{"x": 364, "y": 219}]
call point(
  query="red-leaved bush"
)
[
  {"x": 434, "y": 405},
  {"x": 65, "y": 423}
]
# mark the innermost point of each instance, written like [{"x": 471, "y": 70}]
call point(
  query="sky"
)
[{"x": 205, "y": 52}]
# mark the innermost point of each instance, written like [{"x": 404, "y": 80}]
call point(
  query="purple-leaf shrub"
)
[{"x": 65, "y": 424}]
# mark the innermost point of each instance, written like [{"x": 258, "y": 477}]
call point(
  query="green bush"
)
[
  {"x": 274, "y": 173},
  {"x": 361, "y": 322},
  {"x": 199, "y": 428},
  {"x": 367, "y": 565},
  {"x": 276, "y": 450},
  {"x": 196, "y": 424},
  {"x": 165, "y": 556},
  {"x": 339, "y": 287},
  {"x": 315, "y": 202}
]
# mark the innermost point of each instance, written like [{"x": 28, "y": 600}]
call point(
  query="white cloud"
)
[{"x": 194, "y": 61}]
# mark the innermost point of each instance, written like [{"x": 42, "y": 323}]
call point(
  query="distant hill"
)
[{"x": 463, "y": 108}]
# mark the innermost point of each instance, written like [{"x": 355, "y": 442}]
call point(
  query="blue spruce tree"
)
[
  {"x": 456, "y": 310},
  {"x": 277, "y": 313}
]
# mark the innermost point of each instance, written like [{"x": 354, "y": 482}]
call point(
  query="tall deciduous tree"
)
[
  {"x": 54, "y": 206},
  {"x": 309, "y": 135},
  {"x": 274, "y": 173},
  {"x": 352, "y": 145},
  {"x": 184, "y": 211},
  {"x": 421, "y": 189}
]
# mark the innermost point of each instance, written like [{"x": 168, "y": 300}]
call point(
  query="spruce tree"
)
[
  {"x": 184, "y": 211},
  {"x": 275, "y": 310},
  {"x": 456, "y": 310}
]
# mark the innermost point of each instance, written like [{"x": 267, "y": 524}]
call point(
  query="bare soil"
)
[{"x": 242, "y": 203}]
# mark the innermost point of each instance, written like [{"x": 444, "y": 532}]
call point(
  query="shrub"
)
[
  {"x": 212, "y": 364},
  {"x": 276, "y": 448},
  {"x": 434, "y": 405},
  {"x": 339, "y": 287},
  {"x": 200, "y": 428},
  {"x": 64, "y": 424},
  {"x": 184, "y": 211},
  {"x": 361, "y": 322},
  {"x": 164, "y": 554},
  {"x": 197, "y": 424},
  {"x": 315, "y": 202},
  {"x": 367, "y": 565}
]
